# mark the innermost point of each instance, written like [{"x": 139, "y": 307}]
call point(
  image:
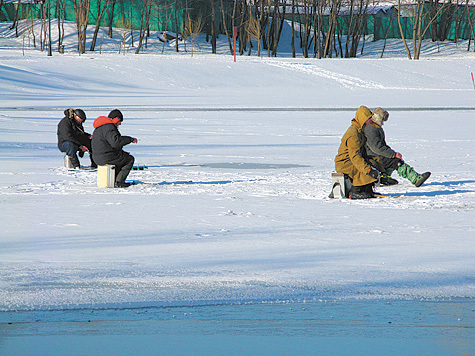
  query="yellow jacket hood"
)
[{"x": 362, "y": 115}]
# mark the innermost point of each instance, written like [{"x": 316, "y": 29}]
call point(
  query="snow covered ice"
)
[{"x": 234, "y": 206}]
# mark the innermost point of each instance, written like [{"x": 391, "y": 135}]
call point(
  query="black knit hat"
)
[
  {"x": 116, "y": 113},
  {"x": 80, "y": 113}
]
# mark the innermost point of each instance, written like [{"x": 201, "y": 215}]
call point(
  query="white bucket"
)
[{"x": 106, "y": 176}]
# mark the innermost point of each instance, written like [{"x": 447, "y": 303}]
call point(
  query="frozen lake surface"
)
[{"x": 394, "y": 327}]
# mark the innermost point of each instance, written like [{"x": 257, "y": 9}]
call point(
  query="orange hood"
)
[{"x": 103, "y": 120}]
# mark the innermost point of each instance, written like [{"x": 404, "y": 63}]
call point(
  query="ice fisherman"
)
[
  {"x": 351, "y": 158},
  {"x": 384, "y": 158},
  {"x": 72, "y": 138},
  {"x": 107, "y": 144}
]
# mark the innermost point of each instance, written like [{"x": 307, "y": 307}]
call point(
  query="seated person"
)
[
  {"x": 351, "y": 158},
  {"x": 383, "y": 157},
  {"x": 72, "y": 138},
  {"x": 107, "y": 143}
]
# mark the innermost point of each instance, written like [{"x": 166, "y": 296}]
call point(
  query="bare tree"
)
[
  {"x": 125, "y": 26},
  {"x": 223, "y": 13},
  {"x": 16, "y": 18},
  {"x": 192, "y": 29},
  {"x": 333, "y": 22},
  {"x": 43, "y": 27},
  {"x": 386, "y": 35},
  {"x": 292, "y": 44},
  {"x": 176, "y": 26},
  {"x": 81, "y": 11},
  {"x": 253, "y": 29},
  {"x": 307, "y": 26},
  {"x": 144, "y": 22},
  {"x": 356, "y": 26},
  {"x": 111, "y": 18},
  {"x": 242, "y": 27},
  {"x": 61, "y": 8},
  {"x": 318, "y": 20},
  {"x": 280, "y": 18},
  {"x": 49, "y": 29},
  {"x": 421, "y": 22},
  {"x": 403, "y": 37},
  {"x": 28, "y": 30},
  {"x": 99, "y": 13}
]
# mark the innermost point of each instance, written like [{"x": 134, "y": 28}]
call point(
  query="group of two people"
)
[
  {"x": 104, "y": 145},
  {"x": 365, "y": 158}
]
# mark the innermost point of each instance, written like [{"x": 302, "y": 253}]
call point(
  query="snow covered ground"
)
[{"x": 234, "y": 206}]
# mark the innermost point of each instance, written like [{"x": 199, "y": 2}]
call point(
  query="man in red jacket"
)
[{"x": 107, "y": 143}]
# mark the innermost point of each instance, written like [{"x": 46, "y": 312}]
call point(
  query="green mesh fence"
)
[
  {"x": 125, "y": 13},
  {"x": 453, "y": 22}
]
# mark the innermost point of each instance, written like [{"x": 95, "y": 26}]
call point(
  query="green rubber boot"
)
[{"x": 406, "y": 171}]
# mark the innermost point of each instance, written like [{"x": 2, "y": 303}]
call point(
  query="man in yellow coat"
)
[{"x": 351, "y": 157}]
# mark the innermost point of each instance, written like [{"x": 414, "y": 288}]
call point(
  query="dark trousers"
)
[
  {"x": 70, "y": 149},
  {"x": 385, "y": 165},
  {"x": 123, "y": 167}
]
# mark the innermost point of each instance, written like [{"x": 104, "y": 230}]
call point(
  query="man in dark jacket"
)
[
  {"x": 383, "y": 157},
  {"x": 72, "y": 138},
  {"x": 107, "y": 143}
]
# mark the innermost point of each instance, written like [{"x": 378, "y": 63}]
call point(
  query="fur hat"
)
[
  {"x": 380, "y": 115},
  {"x": 116, "y": 113}
]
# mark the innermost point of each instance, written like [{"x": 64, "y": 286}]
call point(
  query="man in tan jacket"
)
[{"x": 351, "y": 157}]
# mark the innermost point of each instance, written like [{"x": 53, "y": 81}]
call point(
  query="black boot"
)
[
  {"x": 369, "y": 190},
  {"x": 74, "y": 161},
  {"x": 93, "y": 164},
  {"x": 122, "y": 184},
  {"x": 387, "y": 180},
  {"x": 361, "y": 192},
  {"x": 421, "y": 179}
]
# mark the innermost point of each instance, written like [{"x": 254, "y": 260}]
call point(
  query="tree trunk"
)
[
  {"x": 81, "y": 11},
  {"x": 144, "y": 18},
  {"x": 176, "y": 26},
  {"x": 386, "y": 36},
  {"x": 213, "y": 27},
  {"x": 433, "y": 4},
  {"x": 230, "y": 43},
  {"x": 50, "y": 53},
  {"x": 111, "y": 19},
  {"x": 293, "y": 31},
  {"x": 402, "y": 31},
  {"x": 15, "y": 20},
  {"x": 100, "y": 12}
]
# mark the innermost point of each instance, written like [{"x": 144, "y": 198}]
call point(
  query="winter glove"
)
[
  {"x": 83, "y": 148},
  {"x": 134, "y": 140},
  {"x": 373, "y": 173},
  {"x": 398, "y": 155}
]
